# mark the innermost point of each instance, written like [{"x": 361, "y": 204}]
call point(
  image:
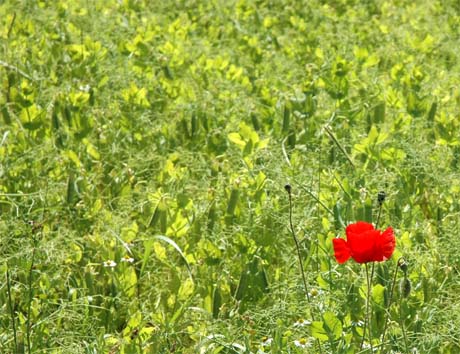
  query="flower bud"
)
[
  {"x": 402, "y": 265},
  {"x": 405, "y": 287}
]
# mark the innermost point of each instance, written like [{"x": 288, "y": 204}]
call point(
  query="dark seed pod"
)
[
  {"x": 381, "y": 197},
  {"x": 288, "y": 188},
  {"x": 405, "y": 287}
]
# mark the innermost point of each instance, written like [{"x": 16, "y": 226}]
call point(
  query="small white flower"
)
[
  {"x": 363, "y": 193},
  {"x": 301, "y": 343},
  {"x": 301, "y": 323},
  {"x": 316, "y": 292},
  {"x": 84, "y": 88},
  {"x": 368, "y": 346},
  {"x": 127, "y": 259},
  {"x": 266, "y": 341},
  {"x": 110, "y": 264}
]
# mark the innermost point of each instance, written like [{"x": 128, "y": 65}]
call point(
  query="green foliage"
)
[{"x": 144, "y": 146}]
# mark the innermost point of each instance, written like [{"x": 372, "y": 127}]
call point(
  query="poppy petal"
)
[
  {"x": 387, "y": 243},
  {"x": 363, "y": 245},
  {"x": 358, "y": 228},
  {"x": 341, "y": 250}
]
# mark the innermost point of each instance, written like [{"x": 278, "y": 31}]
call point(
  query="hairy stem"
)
[
  {"x": 367, "y": 320},
  {"x": 403, "y": 327},
  {"x": 10, "y": 305},
  {"x": 390, "y": 299}
]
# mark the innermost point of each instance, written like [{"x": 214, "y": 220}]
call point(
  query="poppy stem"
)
[
  {"x": 10, "y": 305},
  {"x": 370, "y": 299},
  {"x": 403, "y": 327},
  {"x": 390, "y": 299},
  {"x": 367, "y": 322},
  {"x": 378, "y": 217}
]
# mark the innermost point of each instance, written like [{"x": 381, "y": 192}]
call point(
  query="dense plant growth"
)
[{"x": 144, "y": 151}]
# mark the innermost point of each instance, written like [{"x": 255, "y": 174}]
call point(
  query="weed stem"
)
[
  {"x": 31, "y": 294},
  {"x": 390, "y": 299},
  {"x": 334, "y": 139},
  {"x": 297, "y": 245},
  {"x": 287, "y": 187}
]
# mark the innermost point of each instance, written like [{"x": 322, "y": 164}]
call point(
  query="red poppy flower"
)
[{"x": 364, "y": 244}]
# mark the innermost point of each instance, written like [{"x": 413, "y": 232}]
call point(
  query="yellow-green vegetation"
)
[{"x": 144, "y": 150}]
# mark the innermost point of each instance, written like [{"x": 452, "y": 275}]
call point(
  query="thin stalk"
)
[
  {"x": 318, "y": 193},
  {"x": 299, "y": 255},
  {"x": 378, "y": 217},
  {"x": 317, "y": 200},
  {"x": 10, "y": 305},
  {"x": 31, "y": 294},
  {"x": 403, "y": 328},
  {"x": 297, "y": 246},
  {"x": 10, "y": 28},
  {"x": 334, "y": 139}
]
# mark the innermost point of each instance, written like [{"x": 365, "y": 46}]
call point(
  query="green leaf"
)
[
  {"x": 236, "y": 139},
  {"x": 378, "y": 294},
  {"x": 242, "y": 285},
  {"x": 91, "y": 150},
  {"x": 379, "y": 112},
  {"x": 186, "y": 289},
  {"x": 177, "y": 248},
  {"x": 73, "y": 157},
  {"x": 72, "y": 190},
  {"x": 129, "y": 233},
  {"x": 318, "y": 331},
  {"x": 216, "y": 302},
  {"x": 333, "y": 324}
]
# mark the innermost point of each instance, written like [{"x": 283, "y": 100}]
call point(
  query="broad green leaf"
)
[
  {"x": 129, "y": 233},
  {"x": 73, "y": 157},
  {"x": 128, "y": 281},
  {"x": 236, "y": 139},
  {"x": 91, "y": 150},
  {"x": 159, "y": 250},
  {"x": 177, "y": 248},
  {"x": 372, "y": 60},
  {"x": 186, "y": 289},
  {"x": 333, "y": 324},
  {"x": 263, "y": 143},
  {"x": 318, "y": 331},
  {"x": 378, "y": 294},
  {"x": 179, "y": 227}
]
